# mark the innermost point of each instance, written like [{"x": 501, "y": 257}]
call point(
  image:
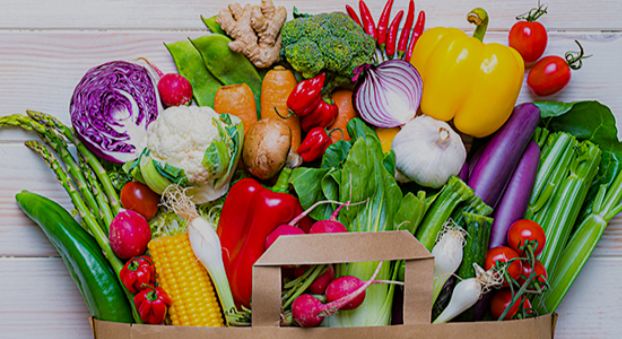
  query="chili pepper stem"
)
[
  {"x": 329, "y": 132},
  {"x": 282, "y": 183},
  {"x": 479, "y": 17},
  {"x": 283, "y": 117}
]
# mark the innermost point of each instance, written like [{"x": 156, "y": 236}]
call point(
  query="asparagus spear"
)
[
  {"x": 59, "y": 145},
  {"x": 84, "y": 212},
  {"x": 91, "y": 159}
]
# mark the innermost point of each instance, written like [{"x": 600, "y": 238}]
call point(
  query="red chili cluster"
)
[{"x": 387, "y": 39}]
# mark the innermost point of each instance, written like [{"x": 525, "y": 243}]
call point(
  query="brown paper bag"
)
[{"x": 341, "y": 248}]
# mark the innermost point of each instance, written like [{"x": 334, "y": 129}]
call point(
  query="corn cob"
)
[{"x": 183, "y": 277}]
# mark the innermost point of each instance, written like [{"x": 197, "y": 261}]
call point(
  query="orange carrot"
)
[
  {"x": 343, "y": 99},
  {"x": 276, "y": 87},
  {"x": 237, "y": 100}
]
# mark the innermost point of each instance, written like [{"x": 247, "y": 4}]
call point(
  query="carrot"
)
[
  {"x": 238, "y": 100},
  {"x": 343, "y": 99},
  {"x": 275, "y": 89}
]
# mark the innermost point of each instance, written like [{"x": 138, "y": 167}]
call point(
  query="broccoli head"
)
[{"x": 329, "y": 42}]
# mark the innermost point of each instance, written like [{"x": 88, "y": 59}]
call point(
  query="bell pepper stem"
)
[
  {"x": 478, "y": 17},
  {"x": 282, "y": 183}
]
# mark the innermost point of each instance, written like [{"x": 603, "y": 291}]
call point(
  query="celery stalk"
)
[
  {"x": 560, "y": 215},
  {"x": 581, "y": 246},
  {"x": 556, "y": 157}
]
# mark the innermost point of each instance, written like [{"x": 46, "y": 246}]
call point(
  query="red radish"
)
[
  {"x": 174, "y": 89},
  {"x": 320, "y": 283},
  {"x": 129, "y": 234},
  {"x": 282, "y": 230},
  {"x": 300, "y": 270},
  {"x": 344, "y": 286},
  {"x": 331, "y": 225},
  {"x": 309, "y": 311}
]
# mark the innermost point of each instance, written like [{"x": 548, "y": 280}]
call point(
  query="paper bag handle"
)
[{"x": 343, "y": 248}]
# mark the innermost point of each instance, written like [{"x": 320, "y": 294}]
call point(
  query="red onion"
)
[{"x": 389, "y": 94}]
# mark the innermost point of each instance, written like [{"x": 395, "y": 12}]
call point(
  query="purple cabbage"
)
[{"x": 111, "y": 108}]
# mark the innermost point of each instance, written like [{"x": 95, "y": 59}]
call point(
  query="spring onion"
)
[
  {"x": 447, "y": 255},
  {"x": 467, "y": 292},
  {"x": 581, "y": 245},
  {"x": 205, "y": 243}
]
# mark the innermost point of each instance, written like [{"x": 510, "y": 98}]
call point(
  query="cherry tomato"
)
[
  {"x": 551, "y": 74},
  {"x": 524, "y": 231},
  {"x": 540, "y": 271},
  {"x": 529, "y": 39},
  {"x": 527, "y": 306},
  {"x": 500, "y": 302},
  {"x": 504, "y": 254},
  {"x": 139, "y": 198}
]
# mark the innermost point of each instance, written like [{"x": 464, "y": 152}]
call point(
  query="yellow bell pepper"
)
[{"x": 464, "y": 79}]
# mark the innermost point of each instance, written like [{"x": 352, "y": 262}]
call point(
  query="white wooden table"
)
[{"x": 46, "y": 47}]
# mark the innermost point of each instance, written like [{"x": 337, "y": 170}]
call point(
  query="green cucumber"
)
[{"x": 476, "y": 248}]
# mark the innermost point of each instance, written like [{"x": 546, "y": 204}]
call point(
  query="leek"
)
[{"x": 581, "y": 245}]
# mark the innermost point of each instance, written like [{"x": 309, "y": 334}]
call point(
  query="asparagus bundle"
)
[{"x": 95, "y": 199}]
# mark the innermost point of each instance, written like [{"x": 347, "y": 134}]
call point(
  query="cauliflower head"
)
[{"x": 180, "y": 135}]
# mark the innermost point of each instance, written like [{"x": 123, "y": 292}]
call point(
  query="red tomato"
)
[
  {"x": 529, "y": 38},
  {"x": 540, "y": 271},
  {"x": 500, "y": 302},
  {"x": 548, "y": 76},
  {"x": 139, "y": 198},
  {"x": 504, "y": 254},
  {"x": 524, "y": 231},
  {"x": 527, "y": 306}
]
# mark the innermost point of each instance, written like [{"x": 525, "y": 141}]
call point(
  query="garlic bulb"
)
[{"x": 428, "y": 151}]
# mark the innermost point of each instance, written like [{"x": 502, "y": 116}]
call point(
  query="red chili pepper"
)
[
  {"x": 315, "y": 144},
  {"x": 403, "y": 44},
  {"x": 306, "y": 95},
  {"x": 323, "y": 116},
  {"x": 368, "y": 20},
  {"x": 352, "y": 14},
  {"x": 419, "y": 26},
  {"x": 395, "y": 27},
  {"x": 152, "y": 303},
  {"x": 381, "y": 32},
  {"x": 250, "y": 213},
  {"x": 137, "y": 272}
]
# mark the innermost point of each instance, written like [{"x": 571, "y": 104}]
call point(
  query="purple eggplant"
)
[
  {"x": 498, "y": 160},
  {"x": 515, "y": 200},
  {"x": 475, "y": 159},
  {"x": 464, "y": 172}
]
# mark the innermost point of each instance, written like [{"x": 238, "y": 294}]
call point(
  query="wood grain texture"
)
[{"x": 184, "y": 14}]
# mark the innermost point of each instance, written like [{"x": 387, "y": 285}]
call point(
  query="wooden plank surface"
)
[
  {"x": 48, "y": 45},
  {"x": 166, "y": 14}
]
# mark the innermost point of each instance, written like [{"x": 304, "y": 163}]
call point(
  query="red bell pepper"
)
[
  {"x": 323, "y": 116},
  {"x": 250, "y": 213},
  {"x": 315, "y": 144},
  {"x": 137, "y": 271},
  {"x": 152, "y": 304},
  {"x": 306, "y": 96}
]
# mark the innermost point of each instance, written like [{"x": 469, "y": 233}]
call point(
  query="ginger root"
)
[{"x": 255, "y": 31}]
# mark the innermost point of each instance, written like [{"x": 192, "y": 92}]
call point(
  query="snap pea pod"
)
[
  {"x": 87, "y": 266},
  {"x": 212, "y": 25},
  {"x": 190, "y": 64},
  {"x": 227, "y": 66}
]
